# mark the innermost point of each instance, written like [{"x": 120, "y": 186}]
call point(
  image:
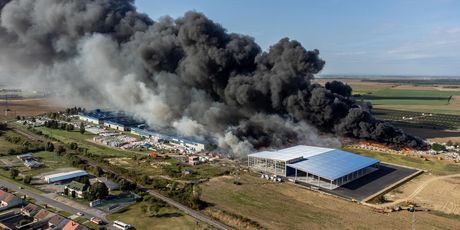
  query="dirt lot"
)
[
  {"x": 286, "y": 206},
  {"x": 441, "y": 195},
  {"x": 27, "y": 107}
]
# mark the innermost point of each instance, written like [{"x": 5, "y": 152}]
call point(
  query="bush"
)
[{"x": 27, "y": 179}]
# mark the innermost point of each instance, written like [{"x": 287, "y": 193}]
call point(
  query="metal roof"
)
[
  {"x": 333, "y": 164},
  {"x": 64, "y": 176},
  {"x": 299, "y": 151}
]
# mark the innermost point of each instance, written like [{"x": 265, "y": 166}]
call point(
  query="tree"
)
[
  {"x": 66, "y": 191},
  {"x": 27, "y": 179},
  {"x": 98, "y": 191},
  {"x": 14, "y": 173},
  {"x": 49, "y": 147},
  {"x": 449, "y": 143},
  {"x": 437, "y": 147},
  {"x": 11, "y": 152},
  {"x": 60, "y": 150},
  {"x": 73, "y": 146},
  {"x": 82, "y": 128}
]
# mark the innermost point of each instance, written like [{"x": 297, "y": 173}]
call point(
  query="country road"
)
[
  {"x": 41, "y": 199},
  {"x": 413, "y": 194}
]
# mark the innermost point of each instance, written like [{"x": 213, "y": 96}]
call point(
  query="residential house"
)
[
  {"x": 77, "y": 189},
  {"x": 30, "y": 210},
  {"x": 43, "y": 215},
  {"x": 8, "y": 200},
  {"x": 193, "y": 160},
  {"x": 57, "y": 222},
  {"x": 72, "y": 225}
]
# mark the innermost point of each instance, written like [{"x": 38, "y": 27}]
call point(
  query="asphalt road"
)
[{"x": 40, "y": 199}]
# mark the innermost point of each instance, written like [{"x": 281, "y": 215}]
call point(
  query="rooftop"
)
[
  {"x": 334, "y": 164},
  {"x": 74, "y": 185},
  {"x": 299, "y": 151}
]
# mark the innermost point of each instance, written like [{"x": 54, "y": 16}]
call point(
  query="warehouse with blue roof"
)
[{"x": 323, "y": 167}]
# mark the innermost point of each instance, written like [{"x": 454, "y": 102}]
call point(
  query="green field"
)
[
  {"x": 168, "y": 218},
  {"x": 435, "y": 166},
  {"x": 419, "y": 119},
  {"x": 410, "y": 97},
  {"x": 82, "y": 140}
]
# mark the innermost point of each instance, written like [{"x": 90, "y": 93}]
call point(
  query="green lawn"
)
[
  {"x": 435, "y": 166},
  {"x": 168, "y": 218}
]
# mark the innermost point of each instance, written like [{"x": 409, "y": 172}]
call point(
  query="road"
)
[
  {"x": 193, "y": 213},
  {"x": 40, "y": 199},
  {"x": 196, "y": 214}
]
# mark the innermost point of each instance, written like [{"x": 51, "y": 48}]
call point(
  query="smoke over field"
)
[{"x": 187, "y": 73}]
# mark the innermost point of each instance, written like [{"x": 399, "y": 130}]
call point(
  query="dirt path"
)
[{"x": 413, "y": 194}]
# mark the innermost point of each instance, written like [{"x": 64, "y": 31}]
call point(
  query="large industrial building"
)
[{"x": 322, "y": 167}]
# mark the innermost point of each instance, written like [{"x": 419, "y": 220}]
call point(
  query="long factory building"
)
[
  {"x": 124, "y": 122},
  {"x": 317, "y": 166}
]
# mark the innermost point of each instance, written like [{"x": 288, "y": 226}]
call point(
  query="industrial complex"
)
[
  {"x": 124, "y": 122},
  {"x": 322, "y": 167}
]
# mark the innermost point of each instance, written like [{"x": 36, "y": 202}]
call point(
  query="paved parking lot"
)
[{"x": 373, "y": 182}]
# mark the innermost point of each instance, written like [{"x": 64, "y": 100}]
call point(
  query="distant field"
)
[
  {"x": 410, "y": 97},
  {"x": 435, "y": 166},
  {"x": 26, "y": 107},
  {"x": 419, "y": 119}
]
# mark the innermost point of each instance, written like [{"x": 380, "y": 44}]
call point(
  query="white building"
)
[
  {"x": 64, "y": 176},
  {"x": 322, "y": 167}
]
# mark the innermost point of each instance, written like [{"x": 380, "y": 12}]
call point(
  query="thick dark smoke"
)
[{"x": 186, "y": 73}]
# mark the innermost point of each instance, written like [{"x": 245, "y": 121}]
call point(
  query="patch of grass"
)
[
  {"x": 64, "y": 213},
  {"x": 168, "y": 218},
  {"x": 435, "y": 166}
]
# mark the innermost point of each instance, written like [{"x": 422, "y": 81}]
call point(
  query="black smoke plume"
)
[{"x": 187, "y": 73}]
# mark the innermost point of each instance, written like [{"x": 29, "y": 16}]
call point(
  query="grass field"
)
[
  {"x": 82, "y": 140},
  {"x": 435, "y": 166},
  {"x": 50, "y": 159},
  {"x": 168, "y": 218},
  {"x": 5, "y": 145},
  {"x": 410, "y": 97},
  {"x": 286, "y": 206}
]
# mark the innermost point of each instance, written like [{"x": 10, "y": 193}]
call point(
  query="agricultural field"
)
[
  {"x": 285, "y": 206},
  {"x": 441, "y": 195},
  {"x": 167, "y": 218},
  {"x": 419, "y": 119},
  {"x": 27, "y": 107},
  {"x": 431, "y": 165}
]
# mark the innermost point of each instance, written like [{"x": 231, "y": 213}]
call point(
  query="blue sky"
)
[{"x": 390, "y": 37}]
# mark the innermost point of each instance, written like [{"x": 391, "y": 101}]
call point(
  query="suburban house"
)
[
  {"x": 43, "y": 215},
  {"x": 30, "y": 210},
  {"x": 8, "y": 200},
  {"x": 77, "y": 189},
  {"x": 72, "y": 225},
  {"x": 57, "y": 222}
]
